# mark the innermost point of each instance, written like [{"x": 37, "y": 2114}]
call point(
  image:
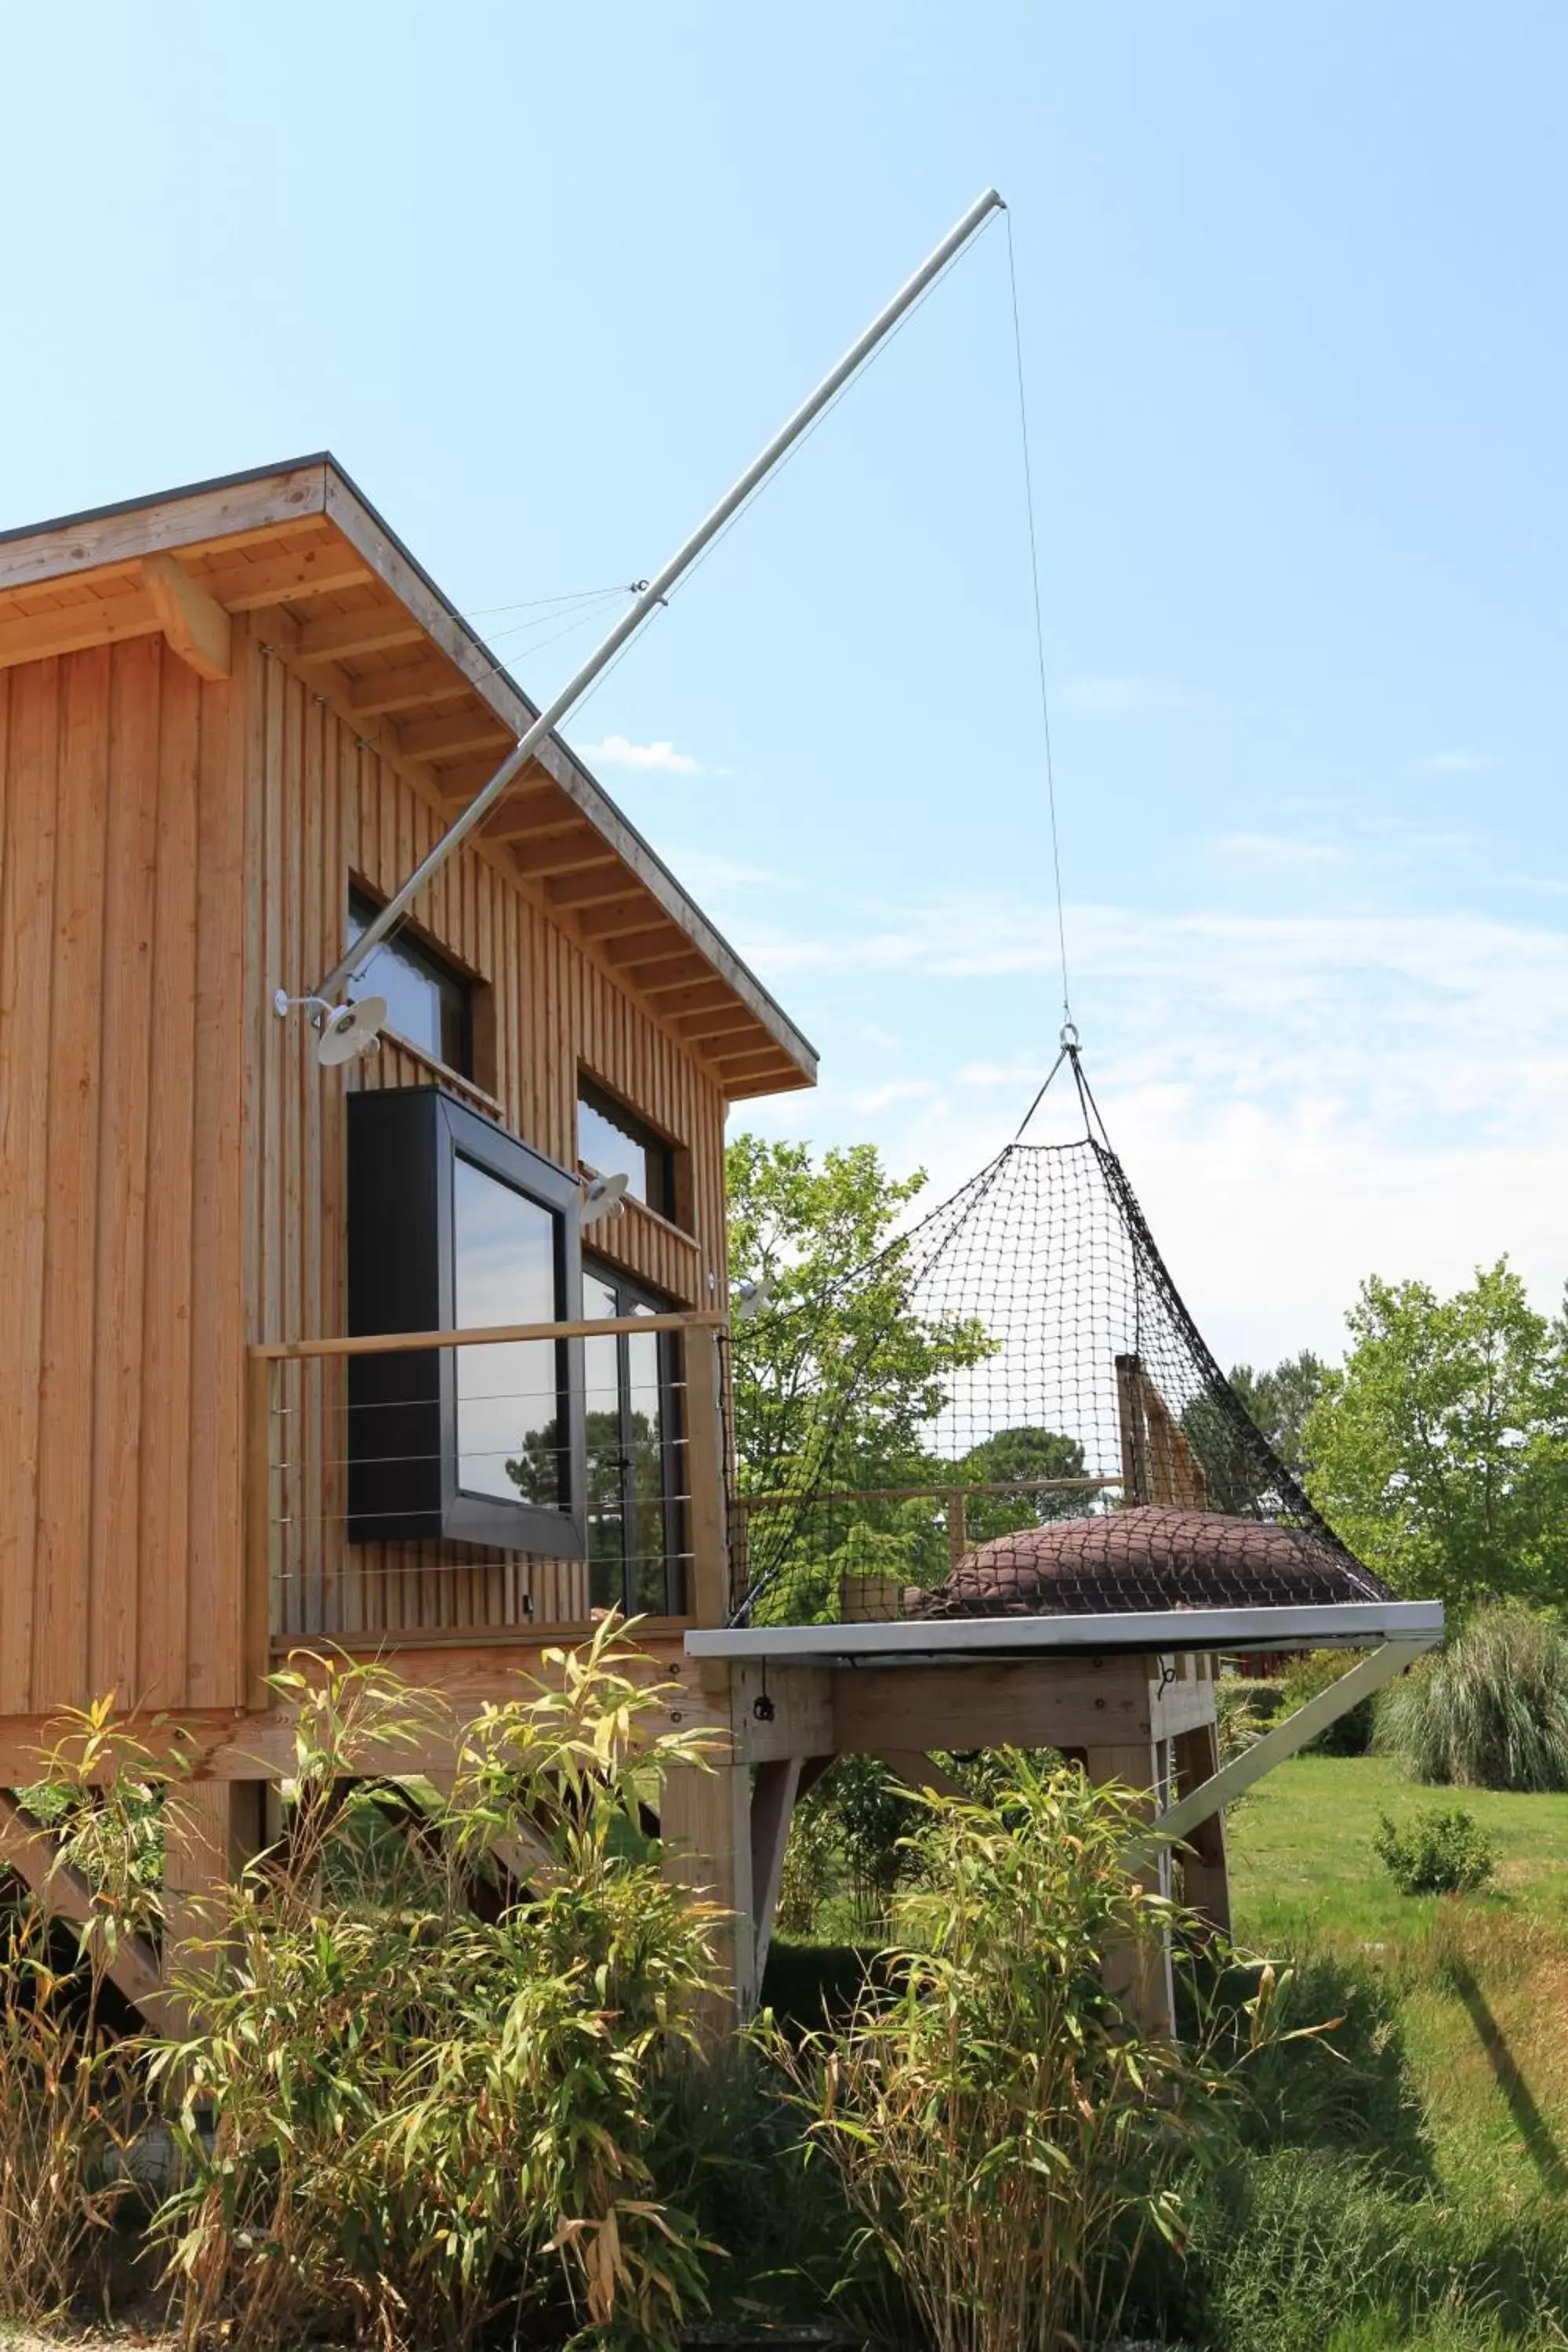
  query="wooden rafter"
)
[
  {"x": 406, "y": 688},
  {"x": 344, "y": 636},
  {"x": 194, "y": 622},
  {"x": 441, "y": 738}
]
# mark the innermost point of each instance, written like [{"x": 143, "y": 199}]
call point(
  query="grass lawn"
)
[{"x": 1482, "y": 1978}]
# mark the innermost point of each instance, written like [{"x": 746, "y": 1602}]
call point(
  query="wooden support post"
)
[
  {"x": 1205, "y": 1876},
  {"x": 1135, "y": 1481},
  {"x": 705, "y": 1824},
  {"x": 1139, "y": 1974},
  {"x": 773, "y": 1795},
  {"x": 707, "y": 1484},
  {"x": 957, "y": 1526},
  {"x": 211, "y": 1830}
]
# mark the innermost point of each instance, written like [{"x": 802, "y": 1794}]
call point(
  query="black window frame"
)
[
  {"x": 630, "y": 1296},
  {"x": 403, "y": 1143},
  {"x": 657, "y": 1149},
  {"x": 454, "y": 988}
]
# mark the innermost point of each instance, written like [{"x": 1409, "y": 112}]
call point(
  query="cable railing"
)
[{"x": 617, "y": 1484}]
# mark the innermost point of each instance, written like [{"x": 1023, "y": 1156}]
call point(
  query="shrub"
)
[
  {"x": 1007, "y": 2140},
  {"x": 1489, "y": 1712},
  {"x": 1350, "y": 1734},
  {"x": 69, "y": 2087},
  {"x": 1287, "y": 2250},
  {"x": 438, "y": 2035},
  {"x": 1443, "y": 1851}
]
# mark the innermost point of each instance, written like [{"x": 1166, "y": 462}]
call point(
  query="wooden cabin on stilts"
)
[{"x": 302, "y": 1356}]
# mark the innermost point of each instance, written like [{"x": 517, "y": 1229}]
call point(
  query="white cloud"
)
[
  {"x": 659, "y": 759},
  {"x": 1299, "y": 1100},
  {"x": 1102, "y": 697},
  {"x": 1455, "y": 764},
  {"x": 1275, "y": 853}
]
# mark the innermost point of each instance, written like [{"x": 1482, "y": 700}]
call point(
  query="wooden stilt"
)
[
  {"x": 773, "y": 1795},
  {"x": 213, "y": 1828},
  {"x": 1205, "y": 1876},
  {"x": 1139, "y": 1973},
  {"x": 705, "y": 1822}
]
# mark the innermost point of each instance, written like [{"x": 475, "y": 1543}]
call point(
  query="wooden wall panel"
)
[
  {"x": 172, "y": 851},
  {"x": 326, "y": 809},
  {"x": 121, "y": 899}
]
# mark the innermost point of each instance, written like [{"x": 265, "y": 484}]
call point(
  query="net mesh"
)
[{"x": 1064, "y": 1379}]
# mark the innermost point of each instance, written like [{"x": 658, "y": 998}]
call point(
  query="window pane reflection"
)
[
  {"x": 510, "y": 1433},
  {"x": 607, "y": 1469}
]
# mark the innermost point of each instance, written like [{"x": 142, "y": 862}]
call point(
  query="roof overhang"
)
[
  {"x": 345, "y": 601},
  {"x": 958, "y": 1641}
]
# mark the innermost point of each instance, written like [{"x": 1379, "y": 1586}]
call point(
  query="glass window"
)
[
  {"x": 636, "y": 1516},
  {"x": 453, "y": 1224},
  {"x": 613, "y": 1141},
  {"x": 427, "y": 1002},
  {"x": 508, "y": 1421}
]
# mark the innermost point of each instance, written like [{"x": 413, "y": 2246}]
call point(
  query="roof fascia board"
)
[{"x": 39, "y": 553}]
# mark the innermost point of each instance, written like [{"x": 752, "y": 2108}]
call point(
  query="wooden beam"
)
[
  {"x": 196, "y": 624},
  {"x": 662, "y": 972},
  {"x": 780, "y": 1711},
  {"x": 717, "y": 1023},
  {"x": 630, "y": 912},
  {"x": 440, "y": 738},
  {"x": 316, "y": 569},
  {"x": 641, "y": 947},
  {"x": 592, "y": 887},
  {"x": 691, "y": 995},
  {"x": 578, "y": 852},
  {"x": 96, "y": 620},
  {"x": 741, "y": 1066},
  {"x": 343, "y": 636},
  {"x": 463, "y": 778},
  {"x": 406, "y": 688},
  {"x": 129, "y": 1962}
]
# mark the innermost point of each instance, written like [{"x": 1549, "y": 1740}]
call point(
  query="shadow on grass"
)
[
  {"x": 1540, "y": 2144},
  {"x": 1346, "y": 2089}
]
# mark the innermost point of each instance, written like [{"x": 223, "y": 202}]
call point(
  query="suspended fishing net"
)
[{"x": 1011, "y": 1409}]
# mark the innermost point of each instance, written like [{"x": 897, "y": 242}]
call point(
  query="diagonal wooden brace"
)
[{"x": 1229, "y": 1782}]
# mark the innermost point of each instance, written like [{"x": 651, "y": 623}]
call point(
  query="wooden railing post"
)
[
  {"x": 707, "y": 1509},
  {"x": 957, "y": 1526}
]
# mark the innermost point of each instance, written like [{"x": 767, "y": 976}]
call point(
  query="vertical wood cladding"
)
[
  {"x": 170, "y": 851},
  {"x": 121, "y": 899}
]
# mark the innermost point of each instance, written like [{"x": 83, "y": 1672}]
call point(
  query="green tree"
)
[
  {"x": 1439, "y": 1451},
  {"x": 1279, "y": 1400},
  {"x": 1017, "y": 1454},
  {"x": 839, "y": 1376}
]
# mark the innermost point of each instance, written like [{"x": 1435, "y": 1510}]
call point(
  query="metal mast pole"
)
[{"x": 650, "y": 597}]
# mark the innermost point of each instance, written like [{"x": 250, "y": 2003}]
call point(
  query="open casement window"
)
[
  {"x": 429, "y": 1002},
  {"x": 614, "y": 1141},
  {"x": 636, "y": 1457},
  {"x": 455, "y": 1225}
]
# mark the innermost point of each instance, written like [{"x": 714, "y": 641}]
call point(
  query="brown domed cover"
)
[{"x": 1145, "y": 1558}]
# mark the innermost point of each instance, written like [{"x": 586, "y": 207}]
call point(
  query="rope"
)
[{"x": 1040, "y": 641}]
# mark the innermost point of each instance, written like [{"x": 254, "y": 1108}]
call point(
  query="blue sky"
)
[{"x": 1292, "y": 307}]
